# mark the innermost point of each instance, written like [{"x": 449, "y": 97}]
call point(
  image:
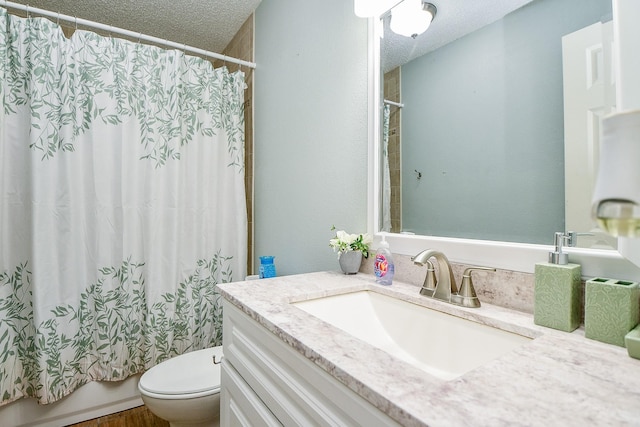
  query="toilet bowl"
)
[{"x": 185, "y": 390}]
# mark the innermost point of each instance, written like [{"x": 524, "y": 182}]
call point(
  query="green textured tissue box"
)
[
  {"x": 557, "y": 296},
  {"x": 632, "y": 341},
  {"x": 610, "y": 309}
]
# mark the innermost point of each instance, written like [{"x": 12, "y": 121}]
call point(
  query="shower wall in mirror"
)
[
  {"x": 392, "y": 93},
  {"x": 481, "y": 133}
]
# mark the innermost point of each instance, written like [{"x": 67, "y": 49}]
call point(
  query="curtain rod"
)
[
  {"x": 397, "y": 104},
  {"x": 122, "y": 31}
]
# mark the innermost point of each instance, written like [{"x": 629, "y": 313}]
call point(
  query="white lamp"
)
[
  {"x": 616, "y": 197},
  {"x": 412, "y": 17}
]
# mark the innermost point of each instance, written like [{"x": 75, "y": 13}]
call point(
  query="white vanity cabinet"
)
[{"x": 267, "y": 382}]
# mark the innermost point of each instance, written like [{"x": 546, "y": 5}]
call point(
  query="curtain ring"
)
[
  {"x": 58, "y": 19},
  {"x": 27, "y": 10},
  {"x": 75, "y": 18},
  {"x": 139, "y": 36}
]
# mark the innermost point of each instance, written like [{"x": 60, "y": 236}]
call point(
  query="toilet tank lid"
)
[{"x": 188, "y": 373}]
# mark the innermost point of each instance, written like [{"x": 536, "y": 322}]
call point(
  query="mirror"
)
[{"x": 476, "y": 147}]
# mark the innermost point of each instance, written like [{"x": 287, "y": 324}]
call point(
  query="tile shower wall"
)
[
  {"x": 392, "y": 93},
  {"x": 242, "y": 47}
]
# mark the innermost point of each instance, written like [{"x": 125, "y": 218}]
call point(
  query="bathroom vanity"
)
[
  {"x": 286, "y": 366},
  {"x": 267, "y": 382}
]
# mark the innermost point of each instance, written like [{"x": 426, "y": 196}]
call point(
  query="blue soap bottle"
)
[
  {"x": 383, "y": 266},
  {"x": 267, "y": 267}
]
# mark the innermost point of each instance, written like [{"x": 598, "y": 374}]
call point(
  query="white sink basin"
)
[{"x": 443, "y": 345}]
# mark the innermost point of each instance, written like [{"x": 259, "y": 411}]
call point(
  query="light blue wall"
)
[
  {"x": 484, "y": 117},
  {"x": 310, "y": 130}
]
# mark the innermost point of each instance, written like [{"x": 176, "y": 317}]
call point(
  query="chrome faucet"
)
[{"x": 444, "y": 287}]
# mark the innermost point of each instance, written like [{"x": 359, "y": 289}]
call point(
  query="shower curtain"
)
[
  {"x": 386, "y": 177},
  {"x": 121, "y": 170}
]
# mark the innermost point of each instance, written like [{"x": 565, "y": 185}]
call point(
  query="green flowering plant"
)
[{"x": 344, "y": 242}]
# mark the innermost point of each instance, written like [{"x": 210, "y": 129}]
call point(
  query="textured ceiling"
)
[
  {"x": 211, "y": 24},
  {"x": 454, "y": 19},
  {"x": 206, "y": 24}
]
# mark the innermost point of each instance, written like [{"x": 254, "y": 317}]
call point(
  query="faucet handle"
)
[
  {"x": 430, "y": 281},
  {"x": 467, "y": 296}
]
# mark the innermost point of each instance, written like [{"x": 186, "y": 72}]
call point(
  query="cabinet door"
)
[
  {"x": 239, "y": 405},
  {"x": 296, "y": 391}
]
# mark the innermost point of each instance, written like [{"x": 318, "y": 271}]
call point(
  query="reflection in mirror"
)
[{"x": 477, "y": 147}]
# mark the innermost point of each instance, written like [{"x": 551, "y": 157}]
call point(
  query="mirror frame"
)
[{"x": 520, "y": 257}]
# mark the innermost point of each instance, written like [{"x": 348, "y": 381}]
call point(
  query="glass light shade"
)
[
  {"x": 409, "y": 19},
  {"x": 372, "y": 8},
  {"x": 616, "y": 198}
]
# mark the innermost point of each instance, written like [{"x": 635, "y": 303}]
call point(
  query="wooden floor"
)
[{"x": 136, "y": 417}]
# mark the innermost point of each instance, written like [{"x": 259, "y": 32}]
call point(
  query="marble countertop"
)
[{"x": 556, "y": 379}]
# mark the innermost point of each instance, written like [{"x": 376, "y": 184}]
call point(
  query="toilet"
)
[{"x": 185, "y": 390}]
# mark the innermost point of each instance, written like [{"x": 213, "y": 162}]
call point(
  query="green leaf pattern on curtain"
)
[
  {"x": 75, "y": 81},
  {"x": 171, "y": 216},
  {"x": 113, "y": 318}
]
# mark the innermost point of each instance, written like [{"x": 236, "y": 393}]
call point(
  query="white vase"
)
[{"x": 350, "y": 261}]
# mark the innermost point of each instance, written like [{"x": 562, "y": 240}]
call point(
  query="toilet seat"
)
[{"x": 187, "y": 376}]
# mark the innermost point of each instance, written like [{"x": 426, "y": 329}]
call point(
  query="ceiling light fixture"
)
[{"x": 412, "y": 17}]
